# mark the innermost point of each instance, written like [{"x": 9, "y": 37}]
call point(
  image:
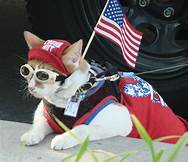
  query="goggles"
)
[{"x": 41, "y": 75}]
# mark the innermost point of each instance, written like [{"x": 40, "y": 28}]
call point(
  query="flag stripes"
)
[{"x": 114, "y": 26}]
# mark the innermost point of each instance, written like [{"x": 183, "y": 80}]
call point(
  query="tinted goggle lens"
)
[
  {"x": 26, "y": 71},
  {"x": 42, "y": 75}
]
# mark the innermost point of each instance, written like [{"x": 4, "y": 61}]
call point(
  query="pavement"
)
[
  {"x": 12, "y": 151},
  {"x": 14, "y": 105}
]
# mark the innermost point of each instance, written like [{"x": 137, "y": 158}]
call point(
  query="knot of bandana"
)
[{"x": 50, "y": 52}]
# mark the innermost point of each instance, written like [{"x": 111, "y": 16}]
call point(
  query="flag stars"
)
[{"x": 114, "y": 11}]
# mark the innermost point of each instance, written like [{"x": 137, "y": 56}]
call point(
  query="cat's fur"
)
[
  {"x": 113, "y": 119},
  {"x": 101, "y": 127}
]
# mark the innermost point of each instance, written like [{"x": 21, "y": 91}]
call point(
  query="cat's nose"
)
[{"x": 31, "y": 88}]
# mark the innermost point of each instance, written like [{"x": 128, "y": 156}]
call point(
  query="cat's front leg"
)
[
  {"x": 66, "y": 140},
  {"x": 112, "y": 121},
  {"x": 39, "y": 129}
]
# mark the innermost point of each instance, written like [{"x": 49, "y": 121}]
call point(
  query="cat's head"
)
[{"x": 54, "y": 66}]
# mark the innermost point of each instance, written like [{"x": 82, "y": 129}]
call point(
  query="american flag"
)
[{"x": 114, "y": 25}]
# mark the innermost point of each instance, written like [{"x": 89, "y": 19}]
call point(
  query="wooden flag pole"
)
[
  {"x": 88, "y": 44},
  {"x": 93, "y": 33}
]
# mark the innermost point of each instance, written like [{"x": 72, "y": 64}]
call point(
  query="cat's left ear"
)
[
  {"x": 32, "y": 40},
  {"x": 72, "y": 55}
]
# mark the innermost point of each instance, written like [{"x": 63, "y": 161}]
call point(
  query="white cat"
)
[
  {"x": 102, "y": 126},
  {"x": 58, "y": 74}
]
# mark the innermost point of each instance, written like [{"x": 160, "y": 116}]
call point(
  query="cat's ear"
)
[
  {"x": 72, "y": 56},
  {"x": 32, "y": 40}
]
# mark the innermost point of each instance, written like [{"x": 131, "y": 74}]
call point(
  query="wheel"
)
[{"x": 165, "y": 42}]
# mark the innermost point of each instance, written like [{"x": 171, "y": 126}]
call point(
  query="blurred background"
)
[
  {"x": 165, "y": 44},
  {"x": 13, "y": 21}
]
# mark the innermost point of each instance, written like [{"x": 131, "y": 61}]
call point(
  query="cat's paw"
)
[
  {"x": 63, "y": 141},
  {"x": 31, "y": 138}
]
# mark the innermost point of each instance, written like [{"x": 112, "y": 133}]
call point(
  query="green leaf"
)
[
  {"x": 22, "y": 149},
  {"x": 63, "y": 126},
  {"x": 142, "y": 131},
  {"x": 165, "y": 138},
  {"x": 67, "y": 158},
  {"x": 82, "y": 149},
  {"x": 145, "y": 136},
  {"x": 159, "y": 155},
  {"x": 111, "y": 158},
  {"x": 95, "y": 159},
  {"x": 177, "y": 148},
  {"x": 125, "y": 157}
]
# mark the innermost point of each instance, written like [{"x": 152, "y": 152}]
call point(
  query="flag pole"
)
[
  {"x": 88, "y": 44},
  {"x": 93, "y": 33}
]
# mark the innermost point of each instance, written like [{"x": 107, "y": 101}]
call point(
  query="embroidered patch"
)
[
  {"x": 156, "y": 98},
  {"x": 140, "y": 89},
  {"x": 49, "y": 45}
]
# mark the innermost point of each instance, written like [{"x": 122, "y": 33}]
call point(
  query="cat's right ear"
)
[{"x": 32, "y": 40}]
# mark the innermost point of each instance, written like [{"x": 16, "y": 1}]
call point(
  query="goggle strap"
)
[{"x": 61, "y": 78}]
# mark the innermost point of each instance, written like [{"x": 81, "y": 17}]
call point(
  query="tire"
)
[{"x": 165, "y": 41}]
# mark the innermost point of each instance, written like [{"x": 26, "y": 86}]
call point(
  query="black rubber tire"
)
[{"x": 73, "y": 20}]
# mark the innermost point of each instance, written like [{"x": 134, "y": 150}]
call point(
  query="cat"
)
[{"x": 58, "y": 75}]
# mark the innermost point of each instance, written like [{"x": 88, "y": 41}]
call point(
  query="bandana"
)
[{"x": 50, "y": 52}]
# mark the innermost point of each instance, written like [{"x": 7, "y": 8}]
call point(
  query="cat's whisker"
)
[
  {"x": 27, "y": 95},
  {"x": 22, "y": 58},
  {"x": 24, "y": 90}
]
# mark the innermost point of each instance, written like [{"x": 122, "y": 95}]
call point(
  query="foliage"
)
[
  {"x": 121, "y": 157},
  {"x": 156, "y": 155}
]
